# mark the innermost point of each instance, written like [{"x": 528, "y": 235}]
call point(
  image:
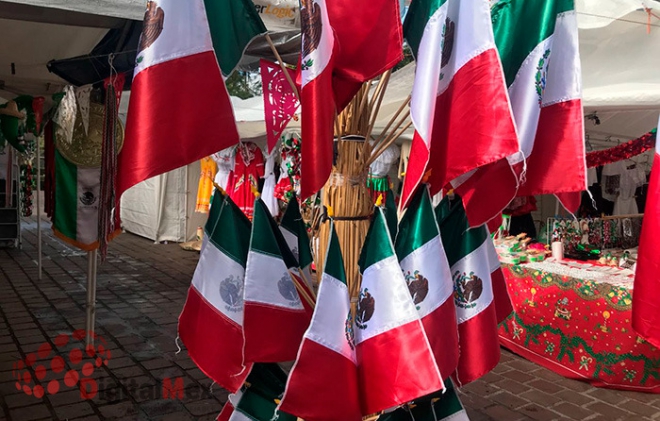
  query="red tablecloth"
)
[{"x": 579, "y": 329}]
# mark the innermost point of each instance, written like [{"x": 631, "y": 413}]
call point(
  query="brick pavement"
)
[{"x": 141, "y": 290}]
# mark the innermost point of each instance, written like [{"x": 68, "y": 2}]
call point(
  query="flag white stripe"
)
[
  {"x": 479, "y": 263},
  {"x": 431, "y": 262},
  {"x": 87, "y": 215},
  {"x": 332, "y": 309},
  {"x": 212, "y": 272},
  {"x": 267, "y": 281}
]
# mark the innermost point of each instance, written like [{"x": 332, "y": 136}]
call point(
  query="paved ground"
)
[{"x": 141, "y": 290}]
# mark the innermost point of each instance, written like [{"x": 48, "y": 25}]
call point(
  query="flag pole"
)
[
  {"x": 39, "y": 265},
  {"x": 91, "y": 297},
  {"x": 283, "y": 67}
]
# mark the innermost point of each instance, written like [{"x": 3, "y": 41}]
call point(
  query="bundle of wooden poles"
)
[{"x": 345, "y": 195}]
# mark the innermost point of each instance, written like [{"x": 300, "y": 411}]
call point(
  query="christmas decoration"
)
[{"x": 624, "y": 151}]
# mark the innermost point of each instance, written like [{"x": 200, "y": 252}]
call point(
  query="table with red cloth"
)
[{"x": 578, "y": 328}]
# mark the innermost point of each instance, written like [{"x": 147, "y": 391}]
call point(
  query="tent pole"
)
[
  {"x": 91, "y": 297},
  {"x": 39, "y": 207}
]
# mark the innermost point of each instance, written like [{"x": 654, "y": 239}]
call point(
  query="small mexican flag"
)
[
  {"x": 395, "y": 361},
  {"x": 440, "y": 406},
  {"x": 211, "y": 322},
  {"x": 276, "y": 316},
  {"x": 426, "y": 270},
  {"x": 327, "y": 363},
  {"x": 75, "y": 218},
  {"x": 538, "y": 44},
  {"x": 474, "y": 270}
]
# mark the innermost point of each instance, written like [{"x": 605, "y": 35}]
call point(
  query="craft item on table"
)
[
  {"x": 248, "y": 169},
  {"x": 558, "y": 250},
  {"x": 205, "y": 189},
  {"x": 378, "y": 181},
  {"x": 224, "y": 160},
  {"x": 268, "y": 191},
  {"x": 289, "y": 181}
]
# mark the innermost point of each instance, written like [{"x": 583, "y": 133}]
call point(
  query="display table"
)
[{"x": 579, "y": 326}]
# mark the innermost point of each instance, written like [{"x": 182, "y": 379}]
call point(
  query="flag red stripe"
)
[
  {"x": 556, "y": 164},
  {"x": 179, "y": 113},
  {"x": 318, "y": 115},
  {"x": 273, "y": 334},
  {"x": 214, "y": 342},
  {"x": 479, "y": 346},
  {"x": 395, "y": 367},
  {"x": 488, "y": 191},
  {"x": 440, "y": 327},
  {"x": 226, "y": 412},
  {"x": 332, "y": 379},
  {"x": 465, "y": 136},
  {"x": 646, "y": 306},
  {"x": 501, "y": 299}
]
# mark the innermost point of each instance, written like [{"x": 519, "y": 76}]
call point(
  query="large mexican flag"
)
[
  {"x": 538, "y": 44},
  {"x": 179, "y": 111},
  {"x": 459, "y": 105}
]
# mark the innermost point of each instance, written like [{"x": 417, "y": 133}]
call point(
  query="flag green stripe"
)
[
  {"x": 378, "y": 244},
  {"x": 334, "y": 262},
  {"x": 456, "y": 234},
  {"x": 418, "y": 225},
  {"x": 266, "y": 236},
  {"x": 261, "y": 408},
  {"x": 65, "y": 219},
  {"x": 391, "y": 214},
  {"x": 217, "y": 204},
  {"x": 521, "y": 25},
  {"x": 233, "y": 24},
  {"x": 416, "y": 19},
  {"x": 230, "y": 231}
]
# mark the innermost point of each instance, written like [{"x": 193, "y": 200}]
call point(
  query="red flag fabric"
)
[
  {"x": 646, "y": 307},
  {"x": 280, "y": 102}
]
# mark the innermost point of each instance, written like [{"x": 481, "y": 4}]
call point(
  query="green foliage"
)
[{"x": 244, "y": 85}]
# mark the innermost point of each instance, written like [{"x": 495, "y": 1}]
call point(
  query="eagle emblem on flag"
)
[
  {"x": 418, "y": 286},
  {"x": 365, "y": 308},
  {"x": 467, "y": 289},
  {"x": 152, "y": 25},
  {"x": 287, "y": 289},
  {"x": 311, "y": 26},
  {"x": 448, "y": 34},
  {"x": 231, "y": 292}
]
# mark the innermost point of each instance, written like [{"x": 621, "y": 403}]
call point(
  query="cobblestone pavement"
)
[{"x": 141, "y": 290}]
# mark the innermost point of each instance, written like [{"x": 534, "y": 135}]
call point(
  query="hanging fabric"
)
[{"x": 205, "y": 188}]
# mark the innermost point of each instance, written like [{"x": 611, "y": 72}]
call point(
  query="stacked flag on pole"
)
[
  {"x": 472, "y": 267},
  {"x": 178, "y": 94},
  {"x": 395, "y": 361},
  {"x": 211, "y": 322},
  {"x": 327, "y": 361},
  {"x": 275, "y": 314},
  {"x": 538, "y": 44},
  {"x": 646, "y": 308},
  {"x": 460, "y": 108},
  {"x": 295, "y": 233},
  {"x": 441, "y": 406},
  {"x": 426, "y": 270}
]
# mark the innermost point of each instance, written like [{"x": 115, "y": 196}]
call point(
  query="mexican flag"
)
[
  {"x": 474, "y": 271},
  {"x": 646, "y": 309},
  {"x": 211, "y": 322},
  {"x": 75, "y": 218},
  {"x": 440, "y": 406},
  {"x": 276, "y": 315},
  {"x": 178, "y": 94},
  {"x": 538, "y": 44},
  {"x": 395, "y": 361},
  {"x": 295, "y": 234},
  {"x": 318, "y": 105},
  {"x": 459, "y": 107},
  {"x": 426, "y": 270},
  {"x": 327, "y": 363}
]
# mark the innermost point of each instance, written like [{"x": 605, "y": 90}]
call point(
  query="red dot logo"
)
[{"x": 52, "y": 369}]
